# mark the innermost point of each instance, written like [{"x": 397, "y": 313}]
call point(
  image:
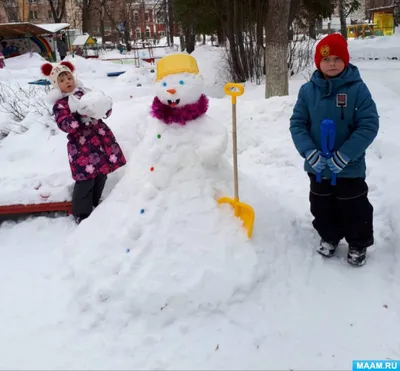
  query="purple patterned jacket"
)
[{"x": 92, "y": 147}]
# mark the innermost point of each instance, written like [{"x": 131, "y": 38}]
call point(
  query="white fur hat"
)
[{"x": 54, "y": 70}]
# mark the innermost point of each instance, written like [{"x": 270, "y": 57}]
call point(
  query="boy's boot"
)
[
  {"x": 357, "y": 257},
  {"x": 327, "y": 249}
]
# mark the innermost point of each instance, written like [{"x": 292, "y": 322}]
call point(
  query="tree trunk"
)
[
  {"x": 171, "y": 22},
  {"x": 190, "y": 43},
  {"x": 276, "y": 51},
  {"x": 295, "y": 6},
  {"x": 311, "y": 29},
  {"x": 221, "y": 38},
  {"x": 85, "y": 16},
  {"x": 127, "y": 37},
  {"x": 342, "y": 15},
  {"x": 102, "y": 28},
  {"x": 182, "y": 41}
]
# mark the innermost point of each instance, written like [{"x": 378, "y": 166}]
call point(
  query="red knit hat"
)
[{"x": 333, "y": 44}]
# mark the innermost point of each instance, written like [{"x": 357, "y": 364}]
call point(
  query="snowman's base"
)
[{"x": 44, "y": 207}]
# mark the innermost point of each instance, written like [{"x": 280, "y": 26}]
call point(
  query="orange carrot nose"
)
[{"x": 171, "y": 91}]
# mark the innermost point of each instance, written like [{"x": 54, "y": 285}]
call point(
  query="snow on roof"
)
[
  {"x": 25, "y": 28},
  {"x": 53, "y": 27},
  {"x": 83, "y": 39}
]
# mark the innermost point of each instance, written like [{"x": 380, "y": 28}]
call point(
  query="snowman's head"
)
[
  {"x": 180, "y": 89},
  {"x": 178, "y": 81}
]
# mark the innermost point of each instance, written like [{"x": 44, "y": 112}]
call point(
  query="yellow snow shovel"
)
[{"x": 242, "y": 210}]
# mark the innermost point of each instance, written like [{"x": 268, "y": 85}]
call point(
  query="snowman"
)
[
  {"x": 160, "y": 236},
  {"x": 180, "y": 137}
]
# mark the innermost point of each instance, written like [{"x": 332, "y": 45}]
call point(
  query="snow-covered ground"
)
[{"x": 126, "y": 290}]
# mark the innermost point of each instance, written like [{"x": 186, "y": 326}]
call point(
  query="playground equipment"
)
[
  {"x": 384, "y": 22},
  {"x": 25, "y": 37},
  {"x": 85, "y": 46},
  {"x": 362, "y": 30}
]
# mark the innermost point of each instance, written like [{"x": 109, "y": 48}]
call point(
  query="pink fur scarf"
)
[{"x": 179, "y": 115}]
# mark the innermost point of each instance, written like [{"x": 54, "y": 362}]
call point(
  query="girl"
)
[{"x": 93, "y": 151}]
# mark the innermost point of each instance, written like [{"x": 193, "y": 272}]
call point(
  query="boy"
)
[{"x": 337, "y": 92}]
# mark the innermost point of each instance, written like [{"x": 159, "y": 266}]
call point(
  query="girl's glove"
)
[
  {"x": 316, "y": 160},
  {"x": 338, "y": 162}
]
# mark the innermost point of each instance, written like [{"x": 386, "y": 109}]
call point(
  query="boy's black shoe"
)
[
  {"x": 327, "y": 249},
  {"x": 357, "y": 257}
]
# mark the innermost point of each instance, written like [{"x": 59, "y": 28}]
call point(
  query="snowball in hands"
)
[{"x": 95, "y": 104}]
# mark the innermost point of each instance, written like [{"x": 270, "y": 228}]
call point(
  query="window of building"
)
[
  {"x": 33, "y": 14},
  {"x": 161, "y": 33},
  {"x": 138, "y": 33},
  {"x": 147, "y": 31},
  {"x": 136, "y": 16},
  {"x": 146, "y": 17}
]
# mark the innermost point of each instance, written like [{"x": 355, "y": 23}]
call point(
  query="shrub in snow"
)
[{"x": 18, "y": 103}]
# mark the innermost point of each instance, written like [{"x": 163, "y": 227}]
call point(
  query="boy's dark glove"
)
[
  {"x": 338, "y": 162},
  {"x": 316, "y": 160}
]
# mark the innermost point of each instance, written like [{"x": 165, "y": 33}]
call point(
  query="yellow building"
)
[
  {"x": 384, "y": 23},
  {"x": 383, "y": 20}
]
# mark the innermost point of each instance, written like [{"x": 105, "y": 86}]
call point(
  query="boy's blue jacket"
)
[{"x": 357, "y": 123}]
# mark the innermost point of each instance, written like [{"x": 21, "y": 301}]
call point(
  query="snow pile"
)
[
  {"x": 165, "y": 204},
  {"x": 24, "y": 61},
  {"x": 379, "y": 47},
  {"x": 137, "y": 76},
  {"x": 23, "y": 68}
]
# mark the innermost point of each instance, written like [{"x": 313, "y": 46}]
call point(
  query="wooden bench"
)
[{"x": 65, "y": 206}]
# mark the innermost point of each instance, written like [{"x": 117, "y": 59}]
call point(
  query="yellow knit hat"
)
[{"x": 176, "y": 63}]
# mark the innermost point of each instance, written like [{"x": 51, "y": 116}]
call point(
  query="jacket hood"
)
[{"x": 348, "y": 76}]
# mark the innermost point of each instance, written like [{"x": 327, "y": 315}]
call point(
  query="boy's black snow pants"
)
[
  {"x": 342, "y": 211},
  {"x": 86, "y": 195}
]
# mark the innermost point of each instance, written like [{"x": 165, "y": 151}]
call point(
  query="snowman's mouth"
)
[{"x": 173, "y": 103}]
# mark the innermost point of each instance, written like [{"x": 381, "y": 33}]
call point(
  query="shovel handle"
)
[{"x": 233, "y": 93}]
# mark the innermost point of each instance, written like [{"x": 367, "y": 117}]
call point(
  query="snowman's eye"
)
[
  {"x": 181, "y": 82},
  {"x": 164, "y": 84}
]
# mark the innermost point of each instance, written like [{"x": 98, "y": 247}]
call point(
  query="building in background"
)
[
  {"x": 3, "y": 14},
  {"x": 34, "y": 11},
  {"x": 141, "y": 20},
  {"x": 145, "y": 20},
  {"x": 73, "y": 15}
]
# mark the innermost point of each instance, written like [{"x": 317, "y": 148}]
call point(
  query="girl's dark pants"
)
[
  {"x": 342, "y": 211},
  {"x": 86, "y": 195}
]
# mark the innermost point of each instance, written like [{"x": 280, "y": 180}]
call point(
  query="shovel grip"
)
[{"x": 233, "y": 93}]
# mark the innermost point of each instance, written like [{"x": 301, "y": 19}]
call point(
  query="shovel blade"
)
[{"x": 243, "y": 211}]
